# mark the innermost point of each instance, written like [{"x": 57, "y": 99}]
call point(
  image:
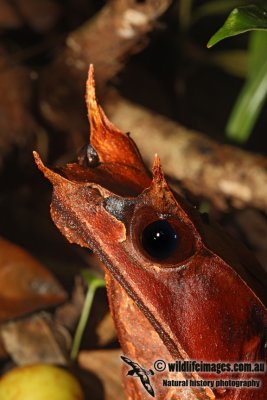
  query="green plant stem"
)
[
  {"x": 84, "y": 316},
  {"x": 248, "y": 106}
]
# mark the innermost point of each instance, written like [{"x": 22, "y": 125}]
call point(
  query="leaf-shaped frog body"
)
[{"x": 178, "y": 287}]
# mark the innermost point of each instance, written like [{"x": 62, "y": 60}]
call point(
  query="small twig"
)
[{"x": 118, "y": 30}]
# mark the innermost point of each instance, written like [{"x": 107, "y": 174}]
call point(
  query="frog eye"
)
[
  {"x": 160, "y": 239},
  {"x": 168, "y": 241}
]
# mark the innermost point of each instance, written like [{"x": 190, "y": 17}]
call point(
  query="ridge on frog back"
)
[{"x": 179, "y": 288}]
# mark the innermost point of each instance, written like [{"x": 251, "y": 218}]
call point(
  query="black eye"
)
[{"x": 160, "y": 239}]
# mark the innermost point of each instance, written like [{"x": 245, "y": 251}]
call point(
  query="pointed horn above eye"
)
[
  {"x": 158, "y": 174},
  {"x": 159, "y": 189},
  {"x": 52, "y": 176},
  {"x": 162, "y": 194},
  {"x": 110, "y": 143}
]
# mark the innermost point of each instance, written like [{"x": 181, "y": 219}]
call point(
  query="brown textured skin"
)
[{"x": 204, "y": 303}]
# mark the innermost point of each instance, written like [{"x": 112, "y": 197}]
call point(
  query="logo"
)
[{"x": 141, "y": 373}]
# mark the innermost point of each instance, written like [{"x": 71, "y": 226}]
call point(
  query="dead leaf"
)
[
  {"x": 69, "y": 313},
  {"x": 106, "y": 365},
  {"x": 25, "y": 284},
  {"x": 36, "y": 339}
]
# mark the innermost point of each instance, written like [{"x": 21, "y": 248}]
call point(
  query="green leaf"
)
[
  {"x": 240, "y": 20},
  {"x": 93, "y": 282}
]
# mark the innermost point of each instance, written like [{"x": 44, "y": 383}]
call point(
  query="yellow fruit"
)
[{"x": 39, "y": 382}]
